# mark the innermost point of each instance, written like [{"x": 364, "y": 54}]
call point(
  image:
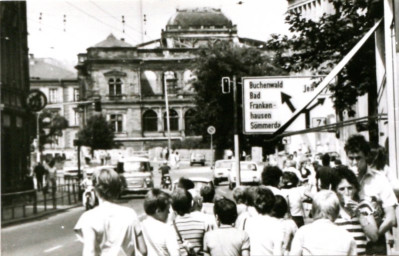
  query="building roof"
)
[
  {"x": 112, "y": 41},
  {"x": 48, "y": 68},
  {"x": 199, "y": 17}
]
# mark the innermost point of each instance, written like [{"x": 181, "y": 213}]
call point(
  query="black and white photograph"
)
[{"x": 199, "y": 128}]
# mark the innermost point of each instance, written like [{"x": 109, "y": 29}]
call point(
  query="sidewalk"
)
[{"x": 24, "y": 210}]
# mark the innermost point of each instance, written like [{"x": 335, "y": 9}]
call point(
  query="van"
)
[{"x": 137, "y": 175}]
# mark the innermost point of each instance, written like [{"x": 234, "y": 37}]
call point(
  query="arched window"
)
[
  {"x": 150, "y": 121},
  {"x": 173, "y": 120},
  {"x": 189, "y": 122}
]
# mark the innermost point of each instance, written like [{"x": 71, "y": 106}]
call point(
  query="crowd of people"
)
[{"x": 352, "y": 212}]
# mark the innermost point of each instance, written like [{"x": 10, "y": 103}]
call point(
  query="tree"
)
[
  {"x": 51, "y": 125},
  {"x": 213, "y": 107},
  {"x": 320, "y": 45},
  {"x": 97, "y": 134}
]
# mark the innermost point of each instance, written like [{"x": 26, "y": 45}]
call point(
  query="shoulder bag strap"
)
[
  {"x": 180, "y": 238},
  {"x": 177, "y": 232}
]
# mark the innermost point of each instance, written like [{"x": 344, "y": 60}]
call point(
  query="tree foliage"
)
[
  {"x": 51, "y": 125},
  {"x": 97, "y": 134},
  {"x": 319, "y": 45},
  {"x": 214, "y": 108}
]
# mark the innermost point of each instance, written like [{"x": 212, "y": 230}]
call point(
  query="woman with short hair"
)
[{"x": 354, "y": 217}]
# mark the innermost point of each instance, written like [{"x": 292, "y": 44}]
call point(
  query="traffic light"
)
[
  {"x": 225, "y": 85},
  {"x": 97, "y": 105}
]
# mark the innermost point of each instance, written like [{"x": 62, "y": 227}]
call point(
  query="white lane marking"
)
[{"x": 53, "y": 249}]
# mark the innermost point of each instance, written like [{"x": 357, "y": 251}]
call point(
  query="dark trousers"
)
[{"x": 39, "y": 179}]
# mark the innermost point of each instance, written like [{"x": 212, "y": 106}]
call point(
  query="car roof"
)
[
  {"x": 224, "y": 160},
  {"x": 196, "y": 179},
  {"x": 136, "y": 159}
]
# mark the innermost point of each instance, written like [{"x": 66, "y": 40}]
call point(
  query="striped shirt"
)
[
  {"x": 352, "y": 225},
  {"x": 192, "y": 229}
]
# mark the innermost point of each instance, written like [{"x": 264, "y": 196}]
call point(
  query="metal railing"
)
[{"x": 20, "y": 205}]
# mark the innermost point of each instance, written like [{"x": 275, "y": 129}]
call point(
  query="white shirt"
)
[
  {"x": 266, "y": 235},
  {"x": 322, "y": 237},
  {"x": 160, "y": 238},
  {"x": 115, "y": 228},
  {"x": 374, "y": 183},
  {"x": 294, "y": 197}
]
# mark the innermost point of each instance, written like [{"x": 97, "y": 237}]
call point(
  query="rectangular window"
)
[
  {"x": 116, "y": 122},
  {"x": 115, "y": 87},
  {"x": 75, "y": 94},
  {"x": 76, "y": 117},
  {"x": 53, "y": 95}
]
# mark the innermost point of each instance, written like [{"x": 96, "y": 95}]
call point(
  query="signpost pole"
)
[
  {"x": 211, "y": 150},
  {"x": 236, "y": 141},
  {"x": 38, "y": 136}
]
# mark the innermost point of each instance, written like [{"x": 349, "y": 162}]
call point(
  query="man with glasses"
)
[{"x": 374, "y": 186}]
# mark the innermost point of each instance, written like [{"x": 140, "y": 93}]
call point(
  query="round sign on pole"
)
[
  {"x": 36, "y": 100},
  {"x": 211, "y": 130}
]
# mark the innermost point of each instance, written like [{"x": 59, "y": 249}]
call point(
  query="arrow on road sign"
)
[
  {"x": 320, "y": 101},
  {"x": 285, "y": 98}
]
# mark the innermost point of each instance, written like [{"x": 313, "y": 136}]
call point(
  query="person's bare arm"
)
[
  {"x": 141, "y": 246},
  {"x": 369, "y": 226},
  {"x": 389, "y": 220}
]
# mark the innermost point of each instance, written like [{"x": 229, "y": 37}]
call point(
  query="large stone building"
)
[
  {"x": 15, "y": 146},
  {"x": 60, "y": 85},
  {"x": 130, "y": 80}
]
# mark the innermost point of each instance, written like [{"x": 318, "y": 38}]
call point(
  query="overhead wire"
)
[
  {"x": 106, "y": 12},
  {"x": 95, "y": 18}
]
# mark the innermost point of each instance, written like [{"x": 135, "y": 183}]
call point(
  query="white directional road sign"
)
[{"x": 268, "y": 102}]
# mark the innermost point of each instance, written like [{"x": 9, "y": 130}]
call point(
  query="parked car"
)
[
  {"x": 197, "y": 158},
  {"x": 199, "y": 182},
  {"x": 70, "y": 169},
  {"x": 250, "y": 174},
  {"x": 137, "y": 175},
  {"x": 221, "y": 170}
]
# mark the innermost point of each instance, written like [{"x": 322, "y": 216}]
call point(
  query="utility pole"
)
[
  {"x": 236, "y": 140},
  {"x": 226, "y": 90}
]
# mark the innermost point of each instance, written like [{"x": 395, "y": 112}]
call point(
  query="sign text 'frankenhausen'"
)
[{"x": 268, "y": 102}]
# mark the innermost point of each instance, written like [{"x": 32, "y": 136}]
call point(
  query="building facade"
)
[
  {"x": 132, "y": 81},
  {"x": 61, "y": 88},
  {"x": 15, "y": 144}
]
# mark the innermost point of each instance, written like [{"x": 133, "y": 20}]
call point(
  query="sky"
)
[{"x": 88, "y": 22}]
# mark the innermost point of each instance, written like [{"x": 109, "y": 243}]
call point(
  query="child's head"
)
[
  {"x": 225, "y": 211},
  {"x": 280, "y": 207},
  {"x": 264, "y": 200},
  {"x": 157, "y": 203},
  {"x": 207, "y": 193},
  {"x": 239, "y": 195}
]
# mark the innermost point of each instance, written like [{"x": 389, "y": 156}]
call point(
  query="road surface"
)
[{"x": 54, "y": 235}]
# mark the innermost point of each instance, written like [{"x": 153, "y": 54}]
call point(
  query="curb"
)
[{"x": 37, "y": 216}]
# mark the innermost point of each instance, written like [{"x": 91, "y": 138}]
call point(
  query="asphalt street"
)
[{"x": 54, "y": 235}]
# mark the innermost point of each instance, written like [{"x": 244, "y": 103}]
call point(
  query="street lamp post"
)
[
  {"x": 166, "y": 74},
  {"x": 226, "y": 90}
]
